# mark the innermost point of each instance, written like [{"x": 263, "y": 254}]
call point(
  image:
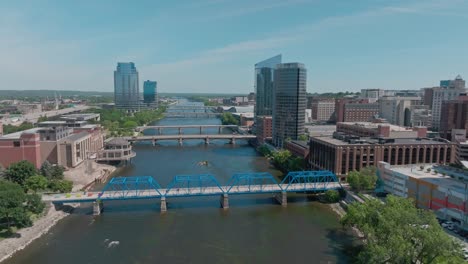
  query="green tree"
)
[
  {"x": 228, "y": 119},
  {"x": 36, "y": 183},
  {"x": 12, "y": 210},
  {"x": 47, "y": 169},
  {"x": 130, "y": 124},
  {"x": 2, "y": 172},
  {"x": 42, "y": 119},
  {"x": 331, "y": 196},
  {"x": 363, "y": 180},
  {"x": 264, "y": 150},
  {"x": 281, "y": 158},
  {"x": 20, "y": 171},
  {"x": 296, "y": 164},
  {"x": 398, "y": 232},
  {"x": 62, "y": 186},
  {"x": 34, "y": 204},
  {"x": 57, "y": 172},
  {"x": 303, "y": 137}
]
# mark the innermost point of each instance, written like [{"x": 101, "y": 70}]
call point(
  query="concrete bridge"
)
[
  {"x": 180, "y": 138},
  {"x": 146, "y": 187},
  {"x": 192, "y": 114},
  {"x": 181, "y": 128},
  {"x": 191, "y": 107}
]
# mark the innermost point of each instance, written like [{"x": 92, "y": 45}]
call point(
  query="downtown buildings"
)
[
  {"x": 126, "y": 87},
  {"x": 264, "y": 89},
  {"x": 150, "y": 94},
  {"x": 289, "y": 102}
]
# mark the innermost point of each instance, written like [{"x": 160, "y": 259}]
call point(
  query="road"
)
[{"x": 35, "y": 116}]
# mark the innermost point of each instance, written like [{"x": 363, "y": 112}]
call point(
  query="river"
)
[{"x": 255, "y": 229}]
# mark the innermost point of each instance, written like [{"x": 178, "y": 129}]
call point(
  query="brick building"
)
[
  {"x": 374, "y": 129},
  {"x": 323, "y": 109},
  {"x": 355, "y": 110},
  {"x": 455, "y": 115},
  {"x": 264, "y": 128},
  {"x": 343, "y": 153}
]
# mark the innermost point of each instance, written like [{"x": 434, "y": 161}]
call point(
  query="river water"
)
[{"x": 255, "y": 229}]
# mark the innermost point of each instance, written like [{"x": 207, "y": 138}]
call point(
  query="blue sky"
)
[{"x": 212, "y": 45}]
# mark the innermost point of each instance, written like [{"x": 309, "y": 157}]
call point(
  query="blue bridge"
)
[{"x": 146, "y": 187}]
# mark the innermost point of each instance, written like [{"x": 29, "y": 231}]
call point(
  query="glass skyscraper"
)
[
  {"x": 150, "y": 95},
  {"x": 289, "y": 102},
  {"x": 126, "y": 87},
  {"x": 264, "y": 79}
]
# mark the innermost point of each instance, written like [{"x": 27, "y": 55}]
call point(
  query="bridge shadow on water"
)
[{"x": 189, "y": 203}]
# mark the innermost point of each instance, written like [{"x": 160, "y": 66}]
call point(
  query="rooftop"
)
[
  {"x": 77, "y": 136},
  {"x": 18, "y": 134},
  {"x": 116, "y": 142},
  {"x": 372, "y": 125},
  {"x": 374, "y": 141},
  {"x": 438, "y": 179}
]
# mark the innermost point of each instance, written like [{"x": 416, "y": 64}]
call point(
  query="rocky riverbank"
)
[
  {"x": 83, "y": 177},
  {"x": 25, "y": 236}
]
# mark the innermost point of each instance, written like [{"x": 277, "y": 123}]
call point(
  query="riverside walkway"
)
[{"x": 146, "y": 187}]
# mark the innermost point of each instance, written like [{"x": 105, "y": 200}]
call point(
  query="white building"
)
[{"x": 397, "y": 110}]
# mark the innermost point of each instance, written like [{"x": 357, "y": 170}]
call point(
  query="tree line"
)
[{"x": 20, "y": 186}]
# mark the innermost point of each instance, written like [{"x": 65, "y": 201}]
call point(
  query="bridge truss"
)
[{"x": 131, "y": 187}]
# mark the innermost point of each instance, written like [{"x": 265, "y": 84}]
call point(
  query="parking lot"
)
[{"x": 458, "y": 234}]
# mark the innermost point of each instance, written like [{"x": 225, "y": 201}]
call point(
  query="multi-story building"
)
[
  {"x": 379, "y": 129},
  {"x": 428, "y": 96},
  {"x": 396, "y": 110},
  {"x": 150, "y": 94},
  {"x": 455, "y": 116},
  {"x": 264, "y": 85},
  {"x": 458, "y": 83},
  {"x": 355, "y": 110},
  {"x": 290, "y": 102},
  {"x": 59, "y": 145},
  {"x": 373, "y": 95},
  {"x": 126, "y": 87},
  {"x": 343, "y": 153},
  {"x": 264, "y": 128},
  {"x": 1, "y": 128},
  {"x": 323, "y": 109},
  {"x": 445, "y": 93},
  {"x": 432, "y": 187},
  {"x": 420, "y": 115}
]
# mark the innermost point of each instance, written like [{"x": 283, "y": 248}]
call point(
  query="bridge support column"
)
[
  {"x": 181, "y": 141},
  {"x": 154, "y": 142},
  {"x": 207, "y": 140},
  {"x": 180, "y": 130},
  {"x": 98, "y": 206},
  {"x": 219, "y": 130},
  {"x": 159, "y": 131},
  {"x": 233, "y": 141},
  {"x": 58, "y": 206},
  {"x": 224, "y": 200},
  {"x": 163, "y": 205},
  {"x": 282, "y": 198},
  {"x": 201, "y": 130}
]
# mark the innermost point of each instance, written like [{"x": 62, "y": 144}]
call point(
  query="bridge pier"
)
[
  {"x": 181, "y": 141},
  {"x": 163, "y": 205},
  {"x": 282, "y": 198},
  {"x": 159, "y": 131},
  {"x": 219, "y": 130},
  {"x": 58, "y": 206},
  {"x": 207, "y": 141},
  {"x": 180, "y": 130},
  {"x": 233, "y": 141},
  {"x": 154, "y": 142},
  {"x": 98, "y": 207},
  {"x": 224, "y": 200},
  {"x": 201, "y": 130}
]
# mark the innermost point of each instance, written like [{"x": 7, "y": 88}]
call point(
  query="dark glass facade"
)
[
  {"x": 289, "y": 102},
  {"x": 264, "y": 85},
  {"x": 150, "y": 95}
]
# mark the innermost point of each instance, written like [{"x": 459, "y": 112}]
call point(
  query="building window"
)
[{"x": 16, "y": 144}]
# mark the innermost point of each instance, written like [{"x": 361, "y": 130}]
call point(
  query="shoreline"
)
[
  {"x": 82, "y": 179},
  {"x": 10, "y": 246},
  {"x": 340, "y": 212}
]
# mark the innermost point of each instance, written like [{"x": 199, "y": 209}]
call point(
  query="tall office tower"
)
[
  {"x": 453, "y": 89},
  {"x": 150, "y": 94},
  {"x": 126, "y": 89},
  {"x": 290, "y": 102},
  {"x": 264, "y": 79}
]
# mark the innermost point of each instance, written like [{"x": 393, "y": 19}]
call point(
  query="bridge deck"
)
[
  {"x": 195, "y": 136},
  {"x": 79, "y": 197}
]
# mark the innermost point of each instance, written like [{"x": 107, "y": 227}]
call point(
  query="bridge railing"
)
[
  {"x": 190, "y": 185},
  {"x": 120, "y": 187},
  {"x": 252, "y": 183},
  {"x": 307, "y": 180}
]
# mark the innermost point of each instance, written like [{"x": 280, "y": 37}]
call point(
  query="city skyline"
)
[{"x": 347, "y": 46}]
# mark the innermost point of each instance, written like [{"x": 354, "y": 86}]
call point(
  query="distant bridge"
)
[
  {"x": 191, "y": 107},
  {"x": 180, "y": 138},
  {"x": 146, "y": 187},
  {"x": 191, "y": 114},
  {"x": 181, "y": 128}
]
